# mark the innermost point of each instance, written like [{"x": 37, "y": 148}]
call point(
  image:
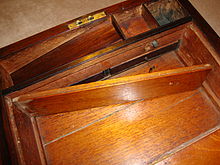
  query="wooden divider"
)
[{"x": 115, "y": 91}]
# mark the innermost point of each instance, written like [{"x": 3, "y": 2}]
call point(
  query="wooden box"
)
[{"x": 134, "y": 83}]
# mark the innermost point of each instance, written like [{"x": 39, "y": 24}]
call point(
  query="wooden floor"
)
[{"x": 140, "y": 132}]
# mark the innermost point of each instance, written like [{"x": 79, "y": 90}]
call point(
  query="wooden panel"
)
[
  {"x": 203, "y": 152},
  {"x": 7, "y": 151},
  {"x": 139, "y": 134},
  {"x": 195, "y": 52},
  {"x": 28, "y": 138},
  {"x": 96, "y": 38},
  {"x": 5, "y": 79},
  {"x": 106, "y": 61},
  {"x": 23, "y": 57},
  {"x": 155, "y": 65},
  {"x": 207, "y": 30},
  {"x": 114, "y": 91},
  {"x": 49, "y": 126}
]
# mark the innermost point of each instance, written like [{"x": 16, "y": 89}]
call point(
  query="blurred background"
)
[{"x": 22, "y": 18}]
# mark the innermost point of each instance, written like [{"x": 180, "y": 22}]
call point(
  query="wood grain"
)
[
  {"x": 28, "y": 138},
  {"x": 205, "y": 151},
  {"x": 195, "y": 52},
  {"x": 98, "y": 37},
  {"x": 103, "y": 62},
  {"x": 132, "y": 22},
  {"x": 114, "y": 91},
  {"x": 10, "y": 50},
  {"x": 25, "y": 56},
  {"x": 7, "y": 151},
  {"x": 138, "y": 134},
  {"x": 49, "y": 126},
  {"x": 5, "y": 78}
]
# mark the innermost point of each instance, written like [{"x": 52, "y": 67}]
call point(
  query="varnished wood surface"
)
[
  {"x": 5, "y": 78},
  {"x": 139, "y": 134},
  {"x": 196, "y": 51},
  {"x": 55, "y": 31},
  {"x": 115, "y": 91},
  {"x": 49, "y": 125},
  {"x": 106, "y": 61},
  {"x": 98, "y": 37},
  {"x": 206, "y": 29},
  {"x": 28, "y": 139},
  {"x": 132, "y": 22},
  {"x": 25, "y": 56},
  {"x": 205, "y": 151},
  {"x": 7, "y": 147}
]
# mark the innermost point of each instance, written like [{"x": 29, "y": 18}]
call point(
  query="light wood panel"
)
[
  {"x": 139, "y": 134},
  {"x": 206, "y": 151},
  {"x": 114, "y": 91},
  {"x": 49, "y": 126}
]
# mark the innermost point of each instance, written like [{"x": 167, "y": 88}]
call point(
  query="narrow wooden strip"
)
[
  {"x": 94, "y": 39},
  {"x": 28, "y": 138},
  {"x": 115, "y": 91},
  {"x": 5, "y": 79},
  {"x": 196, "y": 52}
]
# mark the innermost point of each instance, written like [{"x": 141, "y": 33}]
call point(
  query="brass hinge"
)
[{"x": 86, "y": 20}]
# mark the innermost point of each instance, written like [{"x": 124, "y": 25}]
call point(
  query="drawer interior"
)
[{"x": 128, "y": 88}]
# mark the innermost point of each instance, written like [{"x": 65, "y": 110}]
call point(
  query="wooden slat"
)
[
  {"x": 196, "y": 52},
  {"x": 7, "y": 152},
  {"x": 5, "y": 78},
  {"x": 114, "y": 91},
  {"x": 139, "y": 134},
  {"x": 49, "y": 126},
  {"x": 96, "y": 38},
  {"x": 106, "y": 61},
  {"x": 28, "y": 138},
  {"x": 25, "y": 56},
  {"x": 205, "y": 151}
]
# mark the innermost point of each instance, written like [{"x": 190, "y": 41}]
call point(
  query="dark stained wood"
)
[
  {"x": 132, "y": 22},
  {"x": 96, "y": 38},
  {"x": 28, "y": 138},
  {"x": 205, "y": 151},
  {"x": 115, "y": 91},
  {"x": 207, "y": 30},
  {"x": 138, "y": 134},
  {"x": 23, "y": 57},
  {"x": 7, "y": 148},
  {"x": 106, "y": 61},
  {"x": 158, "y": 64},
  {"x": 5, "y": 78},
  {"x": 57, "y": 30},
  {"x": 196, "y": 51},
  {"x": 166, "y": 11}
]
